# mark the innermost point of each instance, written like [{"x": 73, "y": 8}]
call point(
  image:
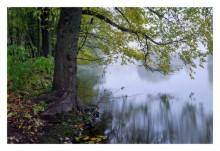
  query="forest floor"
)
[
  {"x": 25, "y": 126},
  {"x": 31, "y": 78}
]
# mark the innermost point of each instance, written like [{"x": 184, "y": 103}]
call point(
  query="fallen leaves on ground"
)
[{"x": 23, "y": 120}]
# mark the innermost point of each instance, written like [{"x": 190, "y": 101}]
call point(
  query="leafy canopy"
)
[{"x": 153, "y": 35}]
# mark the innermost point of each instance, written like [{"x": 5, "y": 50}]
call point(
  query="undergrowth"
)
[{"x": 29, "y": 77}]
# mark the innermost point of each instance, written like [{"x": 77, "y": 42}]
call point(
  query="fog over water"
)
[{"x": 139, "y": 106}]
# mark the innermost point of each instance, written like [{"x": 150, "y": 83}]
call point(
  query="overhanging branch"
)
[
  {"x": 156, "y": 13},
  {"x": 128, "y": 30},
  {"x": 116, "y": 8}
]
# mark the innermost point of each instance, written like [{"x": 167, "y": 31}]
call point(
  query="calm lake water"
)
[{"x": 138, "y": 106}]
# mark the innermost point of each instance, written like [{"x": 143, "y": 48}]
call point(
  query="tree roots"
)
[{"x": 64, "y": 103}]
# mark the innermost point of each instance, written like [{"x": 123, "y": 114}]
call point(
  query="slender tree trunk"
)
[
  {"x": 17, "y": 33},
  {"x": 18, "y": 37},
  {"x": 45, "y": 31},
  {"x": 32, "y": 38},
  {"x": 65, "y": 81},
  {"x": 10, "y": 35},
  {"x": 39, "y": 34}
]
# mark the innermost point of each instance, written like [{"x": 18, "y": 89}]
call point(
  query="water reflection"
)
[
  {"x": 89, "y": 77},
  {"x": 210, "y": 69},
  {"x": 156, "y": 120},
  {"x": 137, "y": 106}
]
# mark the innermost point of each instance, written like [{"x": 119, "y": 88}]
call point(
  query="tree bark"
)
[{"x": 65, "y": 81}]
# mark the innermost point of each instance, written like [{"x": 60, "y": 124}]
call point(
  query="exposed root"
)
[
  {"x": 53, "y": 95},
  {"x": 64, "y": 103}
]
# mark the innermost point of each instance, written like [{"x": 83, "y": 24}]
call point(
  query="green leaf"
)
[{"x": 85, "y": 138}]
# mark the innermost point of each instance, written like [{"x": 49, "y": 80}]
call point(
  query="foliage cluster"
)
[
  {"x": 154, "y": 35},
  {"x": 26, "y": 26},
  {"x": 28, "y": 76}
]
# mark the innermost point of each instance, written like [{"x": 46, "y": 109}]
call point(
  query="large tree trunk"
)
[{"x": 65, "y": 81}]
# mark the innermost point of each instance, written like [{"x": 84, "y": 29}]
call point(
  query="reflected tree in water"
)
[
  {"x": 156, "y": 120},
  {"x": 210, "y": 69}
]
